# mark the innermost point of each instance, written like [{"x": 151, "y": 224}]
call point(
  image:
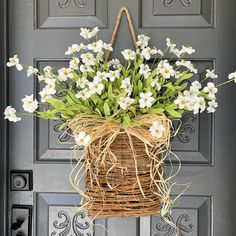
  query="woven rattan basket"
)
[{"x": 119, "y": 194}]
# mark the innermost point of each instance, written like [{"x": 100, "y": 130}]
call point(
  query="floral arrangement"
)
[
  {"x": 106, "y": 97},
  {"x": 120, "y": 92}
]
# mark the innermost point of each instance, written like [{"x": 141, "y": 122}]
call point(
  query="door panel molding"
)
[
  {"x": 50, "y": 14},
  {"x": 177, "y": 14}
]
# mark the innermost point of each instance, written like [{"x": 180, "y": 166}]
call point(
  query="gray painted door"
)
[{"x": 41, "y": 30}]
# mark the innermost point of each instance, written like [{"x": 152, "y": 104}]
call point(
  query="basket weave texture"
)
[{"x": 113, "y": 189}]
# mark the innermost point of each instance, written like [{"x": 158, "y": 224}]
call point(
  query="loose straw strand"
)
[{"x": 117, "y": 25}]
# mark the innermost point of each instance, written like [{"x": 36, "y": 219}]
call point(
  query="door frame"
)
[{"x": 3, "y": 124}]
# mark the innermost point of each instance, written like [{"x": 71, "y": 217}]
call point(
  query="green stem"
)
[
  {"x": 163, "y": 55},
  {"x": 204, "y": 79},
  {"x": 25, "y": 114},
  {"x": 226, "y": 82}
]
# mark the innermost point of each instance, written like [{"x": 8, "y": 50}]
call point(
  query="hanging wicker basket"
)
[
  {"x": 118, "y": 193},
  {"x": 124, "y": 168}
]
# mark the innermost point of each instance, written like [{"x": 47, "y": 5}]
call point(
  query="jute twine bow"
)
[{"x": 122, "y": 11}]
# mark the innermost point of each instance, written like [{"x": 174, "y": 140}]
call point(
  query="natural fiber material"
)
[
  {"x": 112, "y": 185},
  {"x": 123, "y": 167},
  {"x": 117, "y": 25}
]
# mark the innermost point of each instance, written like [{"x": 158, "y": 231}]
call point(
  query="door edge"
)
[{"x": 3, "y": 123}]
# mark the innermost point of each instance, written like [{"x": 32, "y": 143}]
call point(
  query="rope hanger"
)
[{"x": 122, "y": 11}]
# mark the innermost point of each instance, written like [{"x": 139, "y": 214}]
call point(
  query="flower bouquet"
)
[{"x": 121, "y": 113}]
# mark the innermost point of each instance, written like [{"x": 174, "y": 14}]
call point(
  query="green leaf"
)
[
  {"x": 174, "y": 113},
  {"x": 98, "y": 111},
  {"x": 140, "y": 86},
  {"x": 49, "y": 114},
  {"x": 183, "y": 86},
  {"x": 75, "y": 76},
  {"x": 156, "y": 110},
  {"x": 126, "y": 120},
  {"x": 185, "y": 76},
  {"x": 170, "y": 86},
  {"x": 106, "y": 109},
  {"x": 206, "y": 96},
  {"x": 110, "y": 92},
  {"x": 172, "y": 106},
  {"x": 135, "y": 123},
  {"x": 95, "y": 98},
  {"x": 62, "y": 126}
]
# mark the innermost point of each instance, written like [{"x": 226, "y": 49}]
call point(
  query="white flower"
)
[
  {"x": 31, "y": 71},
  {"x": 14, "y": 61},
  {"x": 47, "y": 70},
  {"x": 126, "y": 85},
  {"x": 94, "y": 31},
  {"x": 82, "y": 139},
  {"x": 155, "y": 83},
  {"x": 182, "y": 102},
  {"x": 84, "y": 68},
  {"x": 10, "y": 114},
  {"x": 96, "y": 86},
  {"x": 87, "y": 34},
  {"x": 74, "y": 63},
  {"x": 45, "y": 94},
  {"x": 128, "y": 54},
  {"x": 125, "y": 102},
  {"x": 41, "y": 78},
  {"x": 147, "y": 52},
  {"x": 95, "y": 46},
  {"x": 51, "y": 85},
  {"x": 99, "y": 56},
  {"x": 191, "y": 104},
  {"x": 64, "y": 73},
  {"x": 176, "y": 52},
  {"x": 170, "y": 44},
  {"x": 75, "y": 48},
  {"x": 188, "y": 50},
  {"x": 191, "y": 93},
  {"x": 211, "y": 74},
  {"x": 84, "y": 94},
  {"x": 210, "y": 89},
  {"x": 196, "y": 85},
  {"x": 232, "y": 76},
  {"x": 202, "y": 104},
  {"x": 167, "y": 70},
  {"x": 157, "y": 129},
  {"x": 29, "y": 103},
  {"x": 144, "y": 70},
  {"x": 115, "y": 63},
  {"x": 160, "y": 52},
  {"x": 82, "y": 82},
  {"x": 146, "y": 100},
  {"x": 88, "y": 59},
  {"x": 112, "y": 75},
  {"x": 178, "y": 74},
  {"x": 212, "y": 106},
  {"x": 100, "y": 76},
  {"x": 187, "y": 64},
  {"x": 197, "y": 103},
  {"x": 161, "y": 63},
  {"x": 107, "y": 46},
  {"x": 142, "y": 41}
]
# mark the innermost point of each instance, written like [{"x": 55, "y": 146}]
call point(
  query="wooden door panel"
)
[
  {"x": 192, "y": 216},
  {"x": 56, "y": 214},
  {"x": 177, "y": 13},
  {"x": 70, "y": 13}
]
